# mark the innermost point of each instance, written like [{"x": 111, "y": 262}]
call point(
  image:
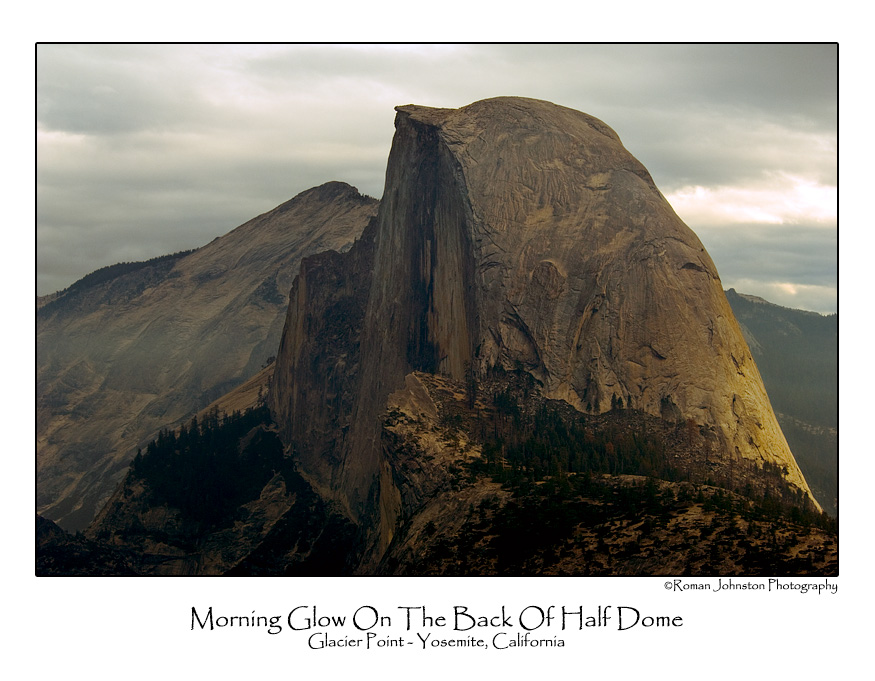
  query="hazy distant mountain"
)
[
  {"x": 797, "y": 354},
  {"x": 136, "y": 347}
]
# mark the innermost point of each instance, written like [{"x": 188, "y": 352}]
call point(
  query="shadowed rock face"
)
[
  {"x": 521, "y": 234},
  {"x": 141, "y": 351},
  {"x": 318, "y": 367}
]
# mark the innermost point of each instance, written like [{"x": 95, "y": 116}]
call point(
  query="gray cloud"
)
[
  {"x": 113, "y": 90},
  {"x": 144, "y": 150},
  {"x": 764, "y": 261}
]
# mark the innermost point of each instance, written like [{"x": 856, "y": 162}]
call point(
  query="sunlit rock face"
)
[
  {"x": 141, "y": 351},
  {"x": 516, "y": 233},
  {"x": 581, "y": 271}
]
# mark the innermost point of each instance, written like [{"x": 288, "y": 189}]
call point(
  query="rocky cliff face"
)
[
  {"x": 578, "y": 269},
  {"x": 797, "y": 352},
  {"x": 517, "y": 234},
  {"x": 119, "y": 359},
  {"x": 318, "y": 368}
]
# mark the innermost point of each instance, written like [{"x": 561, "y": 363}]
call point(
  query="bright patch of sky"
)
[{"x": 781, "y": 200}]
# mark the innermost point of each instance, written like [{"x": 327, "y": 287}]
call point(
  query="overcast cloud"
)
[{"x": 147, "y": 150}]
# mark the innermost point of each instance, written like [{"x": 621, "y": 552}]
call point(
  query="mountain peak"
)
[
  {"x": 151, "y": 343},
  {"x": 518, "y": 235}
]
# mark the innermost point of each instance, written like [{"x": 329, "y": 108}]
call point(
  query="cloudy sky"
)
[{"x": 147, "y": 150}]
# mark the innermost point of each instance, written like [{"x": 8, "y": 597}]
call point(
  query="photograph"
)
[
  {"x": 516, "y": 345},
  {"x": 473, "y": 359}
]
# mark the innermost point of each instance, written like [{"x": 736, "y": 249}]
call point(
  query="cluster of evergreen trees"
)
[
  {"x": 110, "y": 272},
  {"x": 552, "y": 446},
  {"x": 550, "y": 442},
  {"x": 209, "y": 468},
  {"x": 550, "y": 518}
]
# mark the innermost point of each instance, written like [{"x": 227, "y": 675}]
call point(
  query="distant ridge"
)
[
  {"x": 103, "y": 275},
  {"x": 797, "y": 354},
  {"x": 762, "y": 301},
  {"x": 110, "y": 272}
]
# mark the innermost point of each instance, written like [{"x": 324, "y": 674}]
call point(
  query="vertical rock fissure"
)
[{"x": 443, "y": 312}]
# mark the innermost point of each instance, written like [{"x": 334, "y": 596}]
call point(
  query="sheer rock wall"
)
[{"x": 516, "y": 233}]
